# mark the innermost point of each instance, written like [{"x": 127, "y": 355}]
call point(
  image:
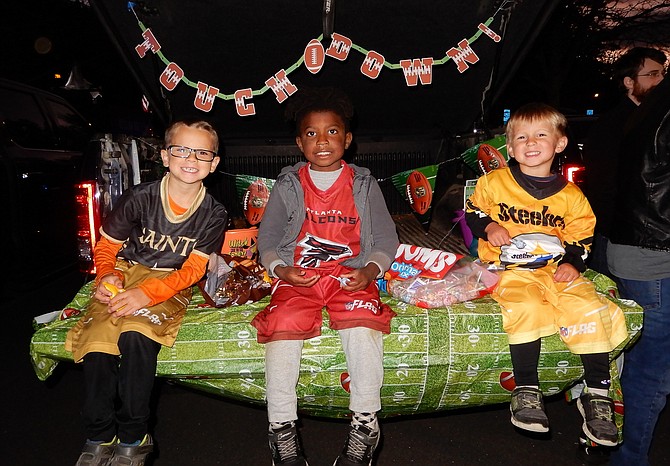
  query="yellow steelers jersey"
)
[{"x": 548, "y": 219}]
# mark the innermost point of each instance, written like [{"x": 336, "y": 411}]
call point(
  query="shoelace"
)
[
  {"x": 601, "y": 409},
  {"x": 355, "y": 447},
  {"x": 288, "y": 447},
  {"x": 530, "y": 400}
]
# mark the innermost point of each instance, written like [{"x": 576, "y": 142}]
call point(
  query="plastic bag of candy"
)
[
  {"x": 466, "y": 281},
  {"x": 233, "y": 280}
]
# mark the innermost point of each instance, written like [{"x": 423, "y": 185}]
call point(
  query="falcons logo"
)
[{"x": 316, "y": 250}]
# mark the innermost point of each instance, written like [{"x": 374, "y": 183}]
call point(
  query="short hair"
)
[
  {"x": 534, "y": 112},
  {"x": 631, "y": 62},
  {"x": 195, "y": 124},
  {"x": 319, "y": 99}
]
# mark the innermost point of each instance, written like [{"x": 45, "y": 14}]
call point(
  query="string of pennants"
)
[
  {"x": 416, "y": 185},
  {"x": 415, "y": 70}
]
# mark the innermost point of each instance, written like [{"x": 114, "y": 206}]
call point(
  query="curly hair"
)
[{"x": 319, "y": 99}]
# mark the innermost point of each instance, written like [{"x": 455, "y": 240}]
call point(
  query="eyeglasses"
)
[
  {"x": 184, "y": 152},
  {"x": 653, "y": 74}
]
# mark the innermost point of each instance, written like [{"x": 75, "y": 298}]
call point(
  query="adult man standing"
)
[
  {"x": 639, "y": 256},
  {"x": 637, "y": 72}
]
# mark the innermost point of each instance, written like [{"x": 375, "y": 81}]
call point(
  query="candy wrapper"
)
[
  {"x": 464, "y": 282},
  {"x": 416, "y": 261},
  {"x": 233, "y": 280}
]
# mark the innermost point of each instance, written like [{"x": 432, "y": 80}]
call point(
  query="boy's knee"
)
[{"x": 135, "y": 341}]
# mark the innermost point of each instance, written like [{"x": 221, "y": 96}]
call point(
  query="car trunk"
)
[
  {"x": 235, "y": 45},
  {"x": 402, "y": 121}
]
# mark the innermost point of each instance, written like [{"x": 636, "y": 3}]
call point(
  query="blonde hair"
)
[
  {"x": 534, "y": 112},
  {"x": 199, "y": 124}
]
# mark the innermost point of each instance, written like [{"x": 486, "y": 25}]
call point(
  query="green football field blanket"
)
[{"x": 434, "y": 359}]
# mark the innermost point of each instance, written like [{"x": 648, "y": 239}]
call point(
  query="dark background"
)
[
  {"x": 549, "y": 52},
  {"x": 239, "y": 44},
  {"x": 41, "y": 422}
]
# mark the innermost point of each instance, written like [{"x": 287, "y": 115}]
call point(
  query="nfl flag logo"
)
[{"x": 564, "y": 331}]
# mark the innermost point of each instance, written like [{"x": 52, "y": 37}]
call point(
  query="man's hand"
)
[{"x": 497, "y": 235}]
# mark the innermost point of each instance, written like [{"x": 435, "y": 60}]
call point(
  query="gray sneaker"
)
[
  {"x": 598, "y": 414},
  {"x": 527, "y": 410},
  {"x": 285, "y": 446},
  {"x": 135, "y": 455},
  {"x": 359, "y": 448},
  {"x": 96, "y": 454}
]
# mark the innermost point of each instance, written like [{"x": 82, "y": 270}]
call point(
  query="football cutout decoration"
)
[
  {"x": 489, "y": 158},
  {"x": 255, "y": 199},
  {"x": 314, "y": 56},
  {"x": 507, "y": 381},
  {"x": 345, "y": 380},
  {"x": 419, "y": 192}
]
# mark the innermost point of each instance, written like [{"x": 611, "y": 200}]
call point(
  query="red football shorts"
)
[{"x": 295, "y": 313}]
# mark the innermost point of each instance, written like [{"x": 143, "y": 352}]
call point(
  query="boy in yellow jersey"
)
[
  {"x": 539, "y": 227},
  {"x": 155, "y": 244}
]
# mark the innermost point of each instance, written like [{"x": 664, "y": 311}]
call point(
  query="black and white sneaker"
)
[
  {"x": 286, "y": 447},
  {"x": 527, "y": 408},
  {"x": 598, "y": 414},
  {"x": 359, "y": 448},
  {"x": 589, "y": 452}
]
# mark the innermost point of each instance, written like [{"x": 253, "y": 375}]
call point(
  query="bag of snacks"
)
[
  {"x": 233, "y": 280},
  {"x": 466, "y": 281},
  {"x": 416, "y": 261}
]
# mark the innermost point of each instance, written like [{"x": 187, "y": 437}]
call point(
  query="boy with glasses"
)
[{"x": 155, "y": 244}]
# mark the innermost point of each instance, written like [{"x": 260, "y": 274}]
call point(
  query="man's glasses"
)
[
  {"x": 184, "y": 152},
  {"x": 653, "y": 74}
]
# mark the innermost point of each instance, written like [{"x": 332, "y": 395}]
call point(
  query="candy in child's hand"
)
[
  {"x": 344, "y": 281},
  {"x": 112, "y": 288}
]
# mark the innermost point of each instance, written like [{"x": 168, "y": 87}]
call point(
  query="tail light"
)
[
  {"x": 88, "y": 223},
  {"x": 575, "y": 173}
]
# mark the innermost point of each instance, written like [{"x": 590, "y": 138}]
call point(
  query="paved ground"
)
[{"x": 41, "y": 419}]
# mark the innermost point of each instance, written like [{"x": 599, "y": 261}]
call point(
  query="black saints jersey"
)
[{"x": 153, "y": 235}]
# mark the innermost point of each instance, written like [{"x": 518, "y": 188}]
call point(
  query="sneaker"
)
[
  {"x": 589, "y": 452},
  {"x": 96, "y": 454},
  {"x": 135, "y": 455},
  {"x": 527, "y": 410},
  {"x": 359, "y": 447},
  {"x": 285, "y": 446},
  {"x": 598, "y": 414}
]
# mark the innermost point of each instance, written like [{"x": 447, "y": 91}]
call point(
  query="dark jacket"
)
[
  {"x": 642, "y": 210},
  {"x": 600, "y": 160}
]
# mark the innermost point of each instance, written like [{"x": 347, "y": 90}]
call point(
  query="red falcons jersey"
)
[{"x": 331, "y": 230}]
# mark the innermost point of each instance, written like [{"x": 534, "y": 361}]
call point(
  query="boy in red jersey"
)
[
  {"x": 326, "y": 236},
  {"x": 539, "y": 227},
  {"x": 155, "y": 244}
]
